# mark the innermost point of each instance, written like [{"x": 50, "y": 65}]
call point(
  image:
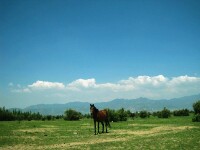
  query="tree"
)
[
  {"x": 165, "y": 113},
  {"x": 113, "y": 115},
  {"x": 196, "y": 107},
  {"x": 144, "y": 114},
  {"x": 71, "y": 114},
  {"x": 122, "y": 114},
  {"x": 182, "y": 112}
]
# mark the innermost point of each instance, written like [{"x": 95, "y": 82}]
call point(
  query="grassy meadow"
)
[{"x": 150, "y": 133}]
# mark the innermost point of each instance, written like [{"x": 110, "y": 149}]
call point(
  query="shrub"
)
[
  {"x": 196, "y": 107},
  {"x": 182, "y": 112},
  {"x": 132, "y": 115},
  {"x": 118, "y": 115},
  {"x": 196, "y": 118},
  {"x": 143, "y": 114},
  {"x": 72, "y": 115},
  {"x": 165, "y": 113},
  {"x": 113, "y": 115},
  {"x": 122, "y": 114},
  {"x": 49, "y": 117}
]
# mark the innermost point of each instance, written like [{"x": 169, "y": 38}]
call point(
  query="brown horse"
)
[{"x": 99, "y": 116}]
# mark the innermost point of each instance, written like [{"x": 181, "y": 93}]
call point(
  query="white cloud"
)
[
  {"x": 82, "y": 83},
  {"x": 155, "y": 87},
  {"x": 46, "y": 85},
  {"x": 184, "y": 79},
  {"x": 145, "y": 80}
]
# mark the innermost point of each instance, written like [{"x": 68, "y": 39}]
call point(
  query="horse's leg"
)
[
  {"x": 94, "y": 127},
  {"x": 102, "y": 127},
  {"x": 98, "y": 127},
  {"x": 106, "y": 126}
]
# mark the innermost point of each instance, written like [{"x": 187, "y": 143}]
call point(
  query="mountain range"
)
[{"x": 128, "y": 104}]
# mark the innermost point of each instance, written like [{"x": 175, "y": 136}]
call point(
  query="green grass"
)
[{"x": 151, "y": 133}]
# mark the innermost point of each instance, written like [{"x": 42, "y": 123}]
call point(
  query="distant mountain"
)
[{"x": 131, "y": 104}]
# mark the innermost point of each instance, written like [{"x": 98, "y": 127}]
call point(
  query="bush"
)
[
  {"x": 143, "y": 114},
  {"x": 113, "y": 115},
  {"x": 72, "y": 115},
  {"x": 118, "y": 115},
  {"x": 122, "y": 114},
  {"x": 196, "y": 118},
  {"x": 165, "y": 113},
  {"x": 196, "y": 107},
  {"x": 182, "y": 112}
]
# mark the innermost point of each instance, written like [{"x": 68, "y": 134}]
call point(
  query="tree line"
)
[
  {"x": 114, "y": 115},
  {"x": 123, "y": 115},
  {"x": 6, "y": 115}
]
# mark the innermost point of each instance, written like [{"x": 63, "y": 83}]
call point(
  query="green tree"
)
[
  {"x": 113, "y": 115},
  {"x": 165, "y": 113},
  {"x": 182, "y": 112},
  {"x": 196, "y": 107},
  {"x": 123, "y": 115},
  {"x": 144, "y": 114},
  {"x": 71, "y": 114}
]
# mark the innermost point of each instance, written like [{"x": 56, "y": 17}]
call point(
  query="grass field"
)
[{"x": 151, "y": 133}]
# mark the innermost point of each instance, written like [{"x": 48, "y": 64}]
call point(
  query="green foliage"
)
[
  {"x": 87, "y": 116},
  {"x": 122, "y": 114},
  {"x": 6, "y": 115},
  {"x": 182, "y": 112},
  {"x": 113, "y": 115},
  {"x": 165, "y": 113},
  {"x": 71, "y": 114},
  {"x": 143, "y": 114},
  {"x": 119, "y": 115},
  {"x": 196, "y": 118},
  {"x": 196, "y": 107}
]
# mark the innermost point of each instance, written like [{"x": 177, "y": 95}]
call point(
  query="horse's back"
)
[{"x": 102, "y": 115}]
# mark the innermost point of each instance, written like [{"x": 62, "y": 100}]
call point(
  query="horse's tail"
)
[
  {"x": 107, "y": 119},
  {"x": 108, "y": 123}
]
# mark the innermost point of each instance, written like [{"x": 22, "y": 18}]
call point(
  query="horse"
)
[{"x": 99, "y": 116}]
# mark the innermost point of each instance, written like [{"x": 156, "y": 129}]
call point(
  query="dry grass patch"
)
[
  {"x": 45, "y": 128},
  {"x": 64, "y": 145},
  {"x": 35, "y": 130},
  {"x": 154, "y": 130}
]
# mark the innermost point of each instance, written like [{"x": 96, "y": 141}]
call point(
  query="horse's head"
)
[{"x": 92, "y": 108}]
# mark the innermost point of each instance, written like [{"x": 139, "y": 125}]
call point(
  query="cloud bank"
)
[{"x": 155, "y": 87}]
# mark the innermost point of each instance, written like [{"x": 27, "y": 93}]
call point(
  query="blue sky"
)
[{"x": 62, "y": 44}]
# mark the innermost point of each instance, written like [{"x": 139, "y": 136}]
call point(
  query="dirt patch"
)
[
  {"x": 49, "y": 126},
  {"x": 86, "y": 126},
  {"x": 77, "y": 144},
  {"x": 143, "y": 125},
  {"x": 153, "y": 131},
  {"x": 44, "y": 128},
  {"x": 33, "y": 130},
  {"x": 65, "y": 145},
  {"x": 37, "y": 130}
]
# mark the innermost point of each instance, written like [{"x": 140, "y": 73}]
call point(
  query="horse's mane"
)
[{"x": 96, "y": 110}]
